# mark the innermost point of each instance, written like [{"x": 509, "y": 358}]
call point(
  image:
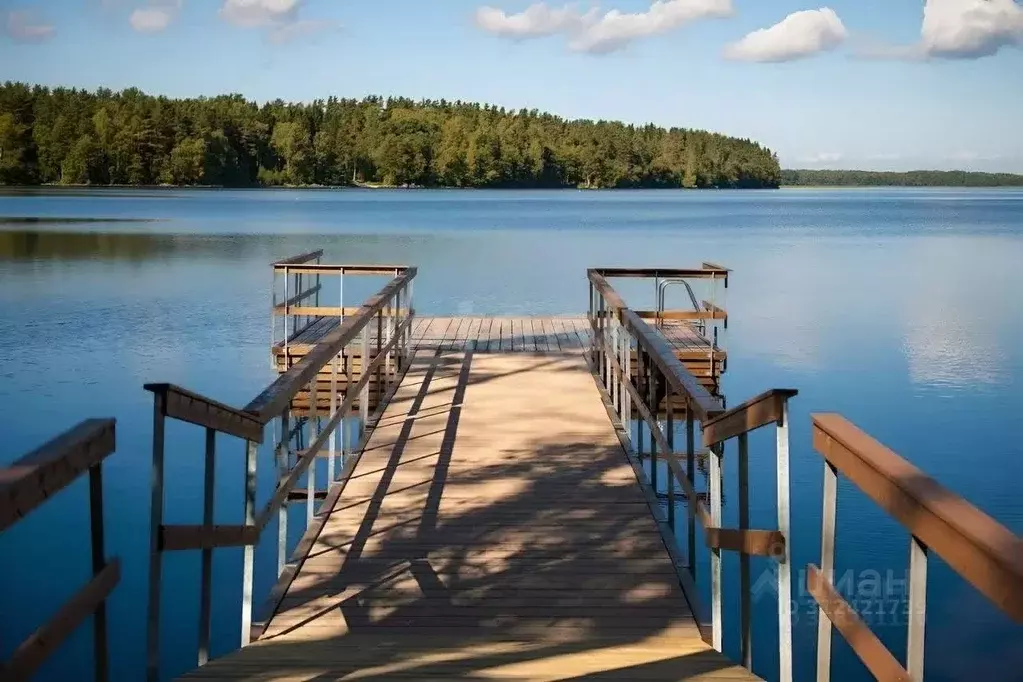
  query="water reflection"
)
[
  {"x": 35, "y": 245},
  {"x": 957, "y": 299}
]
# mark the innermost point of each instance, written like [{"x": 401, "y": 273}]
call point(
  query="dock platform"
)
[{"x": 491, "y": 529}]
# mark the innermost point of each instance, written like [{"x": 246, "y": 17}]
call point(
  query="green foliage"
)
[
  {"x": 920, "y": 178},
  {"x": 82, "y": 165},
  {"x": 104, "y": 137}
]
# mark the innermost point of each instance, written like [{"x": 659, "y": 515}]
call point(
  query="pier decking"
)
[{"x": 491, "y": 529}]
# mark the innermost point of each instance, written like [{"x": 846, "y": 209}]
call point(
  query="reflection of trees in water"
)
[
  {"x": 35, "y": 245},
  {"x": 25, "y": 244}
]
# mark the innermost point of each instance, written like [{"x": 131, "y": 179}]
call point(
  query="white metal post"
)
[
  {"x": 332, "y": 444},
  {"x": 917, "y": 609},
  {"x": 717, "y": 637},
  {"x": 827, "y": 569},
  {"x": 283, "y": 460},
  {"x": 251, "y": 450},
  {"x": 785, "y": 561}
]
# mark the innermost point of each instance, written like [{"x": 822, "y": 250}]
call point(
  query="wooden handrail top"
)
[
  {"x": 275, "y": 397},
  {"x": 33, "y": 479},
  {"x": 300, "y": 259},
  {"x": 686, "y": 273},
  {"x": 761, "y": 410},
  {"x": 184, "y": 405},
  {"x": 332, "y": 268},
  {"x": 612, "y": 300},
  {"x": 985, "y": 553}
]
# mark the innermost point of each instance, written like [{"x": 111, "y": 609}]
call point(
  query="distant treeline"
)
[
  {"x": 71, "y": 136},
  {"x": 919, "y": 178}
]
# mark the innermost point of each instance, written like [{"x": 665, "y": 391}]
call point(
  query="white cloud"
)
[
  {"x": 959, "y": 29},
  {"x": 24, "y": 27},
  {"x": 253, "y": 13},
  {"x": 279, "y": 19},
  {"x": 533, "y": 22},
  {"x": 967, "y": 29},
  {"x": 598, "y": 33},
  {"x": 799, "y": 35},
  {"x": 615, "y": 29},
  {"x": 156, "y": 17},
  {"x": 295, "y": 30}
]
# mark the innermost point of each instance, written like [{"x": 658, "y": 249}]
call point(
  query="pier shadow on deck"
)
[{"x": 492, "y": 529}]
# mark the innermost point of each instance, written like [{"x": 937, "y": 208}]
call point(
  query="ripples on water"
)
[{"x": 902, "y": 309}]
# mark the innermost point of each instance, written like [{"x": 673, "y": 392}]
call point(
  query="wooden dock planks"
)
[{"x": 493, "y": 529}]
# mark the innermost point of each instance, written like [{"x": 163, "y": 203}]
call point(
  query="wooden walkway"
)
[
  {"x": 492, "y": 529},
  {"x": 487, "y": 334}
]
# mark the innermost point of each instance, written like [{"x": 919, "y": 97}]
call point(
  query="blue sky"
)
[{"x": 862, "y": 84}]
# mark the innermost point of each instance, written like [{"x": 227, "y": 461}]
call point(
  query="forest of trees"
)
[
  {"x": 74, "y": 137},
  {"x": 919, "y": 178}
]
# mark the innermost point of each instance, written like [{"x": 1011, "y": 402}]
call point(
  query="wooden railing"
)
[
  {"x": 28, "y": 483},
  {"x": 298, "y": 295},
  {"x": 389, "y": 315},
  {"x": 986, "y": 554},
  {"x": 298, "y": 305},
  {"x": 659, "y": 378}
]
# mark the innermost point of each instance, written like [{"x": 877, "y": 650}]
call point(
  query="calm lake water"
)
[{"x": 901, "y": 309}]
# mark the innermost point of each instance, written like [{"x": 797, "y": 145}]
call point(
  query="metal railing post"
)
[
  {"x": 670, "y": 428},
  {"x": 784, "y": 561},
  {"x": 745, "y": 607},
  {"x": 691, "y": 478},
  {"x": 599, "y": 333},
  {"x": 827, "y": 569},
  {"x": 155, "y": 557},
  {"x": 287, "y": 335},
  {"x": 251, "y": 450},
  {"x": 364, "y": 374},
  {"x": 715, "y": 456},
  {"x": 273, "y": 317},
  {"x": 206, "y": 581},
  {"x": 917, "y": 609},
  {"x": 314, "y": 432},
  {"x": 652, "y": 404},
  {"x": 380, "y": 369},
  {"x": 593, "y": 344},
  {"x": 283, "y": 464},
  {"x": 640, "y": 371},
  {"x": 390, "y": 334},
  {"x": 99, "y": 617},
  {"x": 332, "y": 441}
]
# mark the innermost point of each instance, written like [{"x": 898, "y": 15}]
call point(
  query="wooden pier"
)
[
  {"x": 490, "y": 528},
  {"x": 506, "y": 498}
]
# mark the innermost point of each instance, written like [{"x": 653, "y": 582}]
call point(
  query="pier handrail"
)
[
  {"x": 986, "y": 554},
  {"x": 24, "y": 486},
  {"x": 390, "y": 314},
  {"x": 299, "y": 259},
  {"x": 674, "y": 372},
  {"x": 617, "y": 332},
  {"x": 708, "y": 271}
]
